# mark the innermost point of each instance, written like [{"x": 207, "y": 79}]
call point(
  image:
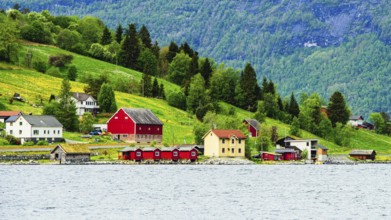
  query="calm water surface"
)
[{"x": 195, "y": 192}]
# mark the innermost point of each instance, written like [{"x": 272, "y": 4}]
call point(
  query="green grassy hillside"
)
[{"x": 179, "y": 124}]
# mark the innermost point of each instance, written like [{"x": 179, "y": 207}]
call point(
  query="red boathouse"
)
[
  {"x": 188, "y": 153},
  {"x": 130, "y": 153},
  {"x": 270, "y": 156},
  {"x": 287, "y": 154},
  {"x": 151, "y": 153},
  {"x": 135, "y": 125},
  {"x": 170, "y": 153}
]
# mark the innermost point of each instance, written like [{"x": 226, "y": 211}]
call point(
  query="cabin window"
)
[
  {"x": 240, "y": 150},
  {"x": 232, "y": 141},
  {"x": 223, "y": 150},
  {"x": 48, "y": 131},
  {"x": 175, "y": 154},
  {"x": 149, "y": 129},
  {"x": 158, "y": 129},
  {"x": 126, "y": 117},
  {"x": 138, "y": 154},
  {"x": 115, "y": 117},
  {"x": 233, "y": 150},
  {"x": 20, "y": 131},
  {"x": 139, "y": 128},
  {"x": 36, "y": 132},
  {"x": 125, "y": 135},
  {"x": 157, "y": 153},
  {"x": 223, "y": 141},
  {"x": 240, "y": 141},
  {"x": 193, "y": 154}
]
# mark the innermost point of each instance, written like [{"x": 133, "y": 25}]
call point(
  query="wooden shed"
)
[
  {"x": 188, "y": 153},
  {"x": 151, "y": 153},
  {"x": 363, "y": 154},
  {"x": 170, "y": 153},
  {"x": 130, "y": 153},
  {"x": 70, "y": 153},
  {"x": 287, "y": 154},
  {"x": 270, "y": 156},
  {"x": 321, "y": 153}
]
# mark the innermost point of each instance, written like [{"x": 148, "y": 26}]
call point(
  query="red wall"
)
[
  {"x": 266, "y": 156},
  {"x": 120, "y": 125},
  {"x": 252, "y": 130},
  {"x": 187, "y": 155},
  {"x": 169, "y": 155},
  {"x": 149, "y": 129},
  {"x": 288, "y": 156}
]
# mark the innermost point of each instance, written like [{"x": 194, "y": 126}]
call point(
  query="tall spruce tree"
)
[
  {"x": 146, "y": 85},
  {"x": 118, "y": 34},
  {"x": 162, "y": 92},
  {"x": 337, "y": 109},
  {"x": 172, "y": 51},
  {"x": 206, "y": 71},
  {"x": 155, "y": 49},
  {"x": 145, "y": 37},
  {"x": 194, "y": 68},
  {"x": 155, "y": 88},
  {"x": 248, "y": 83},
  {"x": 106, "y": 99},
  {"x": 106, "y": 36},
  {"x": 130, "y": 48},
  {"x": 187, "y": 49},
  {"x": 293, "y": 108},
  {"x": 66, "y": 112}
]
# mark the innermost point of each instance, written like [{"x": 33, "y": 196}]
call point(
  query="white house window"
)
[
  {"x": 138, "y": 154},
  {"x": 44, "y": 131},
  {"x": 48, "y": 131},
  {"x": 11, "y": 131},
  {"x": 308, "y": 143},
  {"x": 20, "y": 131},
  {"x": 20, "y": 123},
  {"x": 193, "y": 154},
  {"x": 175, "y": 154},
  {"x": 36, "y": 132},
  {"x": 81, "y": 102},
  {"x": 157, "y": 153},
  {"x": 58, "y": 132}
]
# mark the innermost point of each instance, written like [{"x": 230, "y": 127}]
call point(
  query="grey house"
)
[{"x": 70, "y": 154}]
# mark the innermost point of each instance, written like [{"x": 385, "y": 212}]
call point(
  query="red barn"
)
[
  {"x": 151, "y": 153},
  {"x": 287, "y": 154},
  {"x": 270, "y": 156},
  {"x": 170, "y": 153},
  {"x": 135, "y": 125},
  {"x": 253, "y": 126},
  {"x": 188, "y": 153}
]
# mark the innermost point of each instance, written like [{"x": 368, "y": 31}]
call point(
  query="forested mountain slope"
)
[{"x": 303, "y": 46}]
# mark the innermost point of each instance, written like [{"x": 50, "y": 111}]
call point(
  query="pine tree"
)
[
  {"x": 280, "y": 104},
  {"x": 295, "y": 127},
  {"x": 72, "y": 73},
  {"x": 248, "y": 83},
  {"x": 118, "y": 34},
  {"x": 66, "y": 112},
  {"x": 106, "y": 99},
  {"x": 130, "y": 48},
  {"x": 187, "y": 49},
  {"x": 155, "y": 88},
  {"x": 106, "y": 37},
  {"x": 337, "y": 109},
  {"x": 196, "y": 95},
  {"x": 293, "y": 108},
  {"x": 265, "y": 86},
  {"x": 162, "y": 92},
  {"x": 145, "y": 37},
  {"x": 155, "y": 49},
  {"x": 172, "y": 51},
  {"x": 194, "y": 68},
  {"x": 146, "y": 85},
  {"x": 206, "y": 71},
  {"x": 270, "y": 88}
]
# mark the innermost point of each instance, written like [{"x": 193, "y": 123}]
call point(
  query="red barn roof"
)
[{"x": 229, "y": 133}]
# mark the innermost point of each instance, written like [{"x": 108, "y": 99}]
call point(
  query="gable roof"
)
[
  {"x": 73, "y": 149},
  {"x": 186, "y": 148},
  {"x": 4, "y": 114},
  {"x": 12, "y": 118},
  {"x": 356, "y": 117},
  {"x": 128, "y": 149},
  {"x": 286, "y": 150},
  {"x": 42, "y": 120},
  {"x": 321, "y": 147},
  {"x": 254, "y": 123},
  {"x": 168, "y": 148},
  {"x": 81, "y": 96},
  {"x": 142, "y": 116},
  {"x": 362, "y": 152},
  {"x": 228, "y": 133},
  {"x": 150, "y": 149}
]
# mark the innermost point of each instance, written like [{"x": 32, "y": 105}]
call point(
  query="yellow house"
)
[{"x": 224, "y": 143}]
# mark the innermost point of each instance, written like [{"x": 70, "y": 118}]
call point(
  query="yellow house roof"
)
[{"x": 73, "y": 149}]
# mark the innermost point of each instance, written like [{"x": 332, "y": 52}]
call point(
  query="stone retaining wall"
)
[{"x": 24, "y": 157}]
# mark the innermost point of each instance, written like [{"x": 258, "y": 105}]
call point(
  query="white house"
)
[
  {"x": 303, "y": 144},
  {"x": 84, "y": 103},
  {"x": 34, "y": 128},
  {"x": 356, "y": 120}
]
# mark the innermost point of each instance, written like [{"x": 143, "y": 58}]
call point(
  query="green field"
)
[{"x": 178, "y": 124}]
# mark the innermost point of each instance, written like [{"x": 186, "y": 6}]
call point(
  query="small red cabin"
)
[
  {"x": 270, "y": 156},
  {"x": 135, "y": 125},
  {"x": 287, "y": 154},
  {"x": 130, "y": 153},
  {"x": 253, "y": 126},
  {"x": 151, "y": 153},
  {"x": 188, "y": 153},
  {"x": 170, "y": 153}
]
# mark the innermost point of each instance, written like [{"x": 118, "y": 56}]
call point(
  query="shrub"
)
[
  {"x": 60, "y": 60},
  {"x": 28, "y": 143},
  {"x": 54, "y": 71},
  {"x": 12, "y": 140},
  {"x": 40, "y": 66},
  {"x": 4, "y": 142},
  {"x": 42, "y": 143}
]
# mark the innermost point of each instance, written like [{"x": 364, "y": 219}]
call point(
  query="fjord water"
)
[{"x": 195, "y": 192}]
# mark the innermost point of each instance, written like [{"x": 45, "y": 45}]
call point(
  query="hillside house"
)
[
  {"x": 281, "y": 142},
  {"x": 70, "y": 153},
  {"x": 356, "y": 120},
  {"x": 85, "y": 103},
  {"x": 363, "y": 154},
  {"x": 34, "y": 128},
  {"x": 303, "y": 144},
  {"x": 4, "y": 115},
  {"x": 135, "y": 125},
  {"x": 253, "y": 127},
  {"x": 224, "y": 143}
]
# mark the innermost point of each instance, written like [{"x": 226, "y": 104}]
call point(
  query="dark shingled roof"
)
[
  {"x": 81, "y": 96},
  {"x": 42, "y": 120},
  {"x": 355, "y": 117},
  {"x": 286, "y": 150},
  {"x": 12, "y": 119},
  {"x": 142, "y": 116},
  {"x": 254, "y": 123},
  {"x": 362, "y": 152}
]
